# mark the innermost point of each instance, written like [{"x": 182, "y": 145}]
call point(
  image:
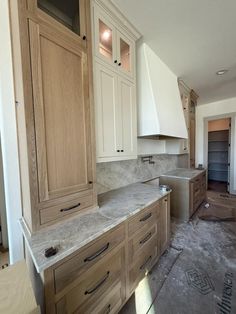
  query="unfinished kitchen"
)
[{"x": 118, "y": 153}]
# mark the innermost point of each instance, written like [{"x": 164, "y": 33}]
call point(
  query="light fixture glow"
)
[
  {"x": 106, "y": 35},
  {"x": 221, "y": 72}
]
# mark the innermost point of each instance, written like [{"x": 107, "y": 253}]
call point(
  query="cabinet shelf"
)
[{"x": 217, "y": 151}]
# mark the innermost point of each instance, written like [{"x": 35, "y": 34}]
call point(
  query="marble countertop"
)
[
  {"x": 183, "y": 173},
  {"x": 71, "y": 235}
]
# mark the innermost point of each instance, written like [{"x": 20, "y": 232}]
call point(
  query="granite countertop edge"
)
[{"x": 108, "y": 222}]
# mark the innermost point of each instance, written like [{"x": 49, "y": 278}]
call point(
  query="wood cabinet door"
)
[
  {"x": 127, "y": 140},
  {"x": 165, "y": 222},
  {"x": 61, "y": 112},
  {"x": 192, "y": 142},
  {"x": 107, "y": 112}
]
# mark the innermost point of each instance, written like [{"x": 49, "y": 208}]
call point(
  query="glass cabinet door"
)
[
  {"x": 104, "y": 38},
  {"x": 70, "y": 13},
  {"x": 125, "y": 54}
]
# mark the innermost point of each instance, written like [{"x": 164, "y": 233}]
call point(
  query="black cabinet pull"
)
[
  {"x": 84, "y": 37},
  {"x": 118, "y": 151},
  {"x": 98, "y": 285},
  {"x": 119, "y": 64},
  {"x": 146, "y": 238},
  {"x": 145, "y": 217},
  {"x": 147, "y": 261},
  {"x": 69, "y": 208},
  {"x": 115, "y": 61},
  {"x": 165, "y": 200},
  {"x": 122, "y": 150},
  {"x": 95, "y": 255},
  {"x": 90, "y": 182}
]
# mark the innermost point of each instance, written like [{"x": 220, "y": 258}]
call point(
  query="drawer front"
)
[
  {"x": 147, "y": 216},
  {"x": 140, "y": 241},
  {"x": 50, "y": 214},
  {"x": 110, "y": 302},
  {"x": 70, "y": 270},
  {"x": 143, "y": 264},
  {"x": 93, "y": 284}
]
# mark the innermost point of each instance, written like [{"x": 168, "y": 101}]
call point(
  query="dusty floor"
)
[
  {"x": 4, "y": 259},
  {"x": 197, "y": 275}
]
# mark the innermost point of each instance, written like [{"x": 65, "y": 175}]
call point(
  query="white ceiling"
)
[{"x": 195, "y": 38}]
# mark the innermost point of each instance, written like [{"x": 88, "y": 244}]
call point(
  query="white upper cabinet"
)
[
  {"x": 112, "y": 44},
  {"x": 114, "y": 83}
]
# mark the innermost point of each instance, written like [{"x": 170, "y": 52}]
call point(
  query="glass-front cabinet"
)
[
  {"x": 111, "y": 45},
  {"x": 70, "y": 13}
]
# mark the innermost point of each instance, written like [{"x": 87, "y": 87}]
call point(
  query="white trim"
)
[{"x": 8, "y": 127}]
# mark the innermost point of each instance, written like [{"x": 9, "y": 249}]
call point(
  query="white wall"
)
[
  {"x": 217, "y": 110},
  {"x": 8, "y": 129}
]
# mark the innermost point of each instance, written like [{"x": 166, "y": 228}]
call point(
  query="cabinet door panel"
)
[
  {"x": 105, "y": 37},
  {"x": 128, "y": 117},
  {"x": 106, "y": 111},
  {"x": 60, "y": 93},
  {"x": 125, "y": 54}
]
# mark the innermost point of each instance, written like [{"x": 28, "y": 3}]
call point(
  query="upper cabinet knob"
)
[
  {"x": 119, "y": 64},
  {"x": 115, "y": 61},
  {"x": 84, "y": 37}
]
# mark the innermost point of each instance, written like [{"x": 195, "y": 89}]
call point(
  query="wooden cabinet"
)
[
  {"x": 183, "y": 146},
  {"x": 187, "y": 193},
  {"x": 144, "y": 243},
  {"x": 101, "y": 277},
  {"x": 56, "y": 67},
  {"x": 114, "y": 84},
  {"x": 165, "y": 223}
]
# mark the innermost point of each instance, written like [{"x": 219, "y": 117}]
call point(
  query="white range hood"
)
[{"x": 160, "y": 111}]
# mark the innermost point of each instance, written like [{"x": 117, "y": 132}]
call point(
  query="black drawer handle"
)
[
  {"x": 146, "y": 238},
  {"x": 147, "y": 261},
  {"x": 95, "y": 255},
  {"x": 98, "y": 285},
  {"x": 70, "y": 208},
  {"x": 146, "y": 217}
]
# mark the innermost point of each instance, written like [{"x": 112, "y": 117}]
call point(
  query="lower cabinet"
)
[{"x": 101, "y": 277}]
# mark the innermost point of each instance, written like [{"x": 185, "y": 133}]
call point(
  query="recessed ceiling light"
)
[{"x": 221, "y": 72}]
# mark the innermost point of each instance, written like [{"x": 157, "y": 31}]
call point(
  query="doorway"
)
[{"x": 219, "y": 155}]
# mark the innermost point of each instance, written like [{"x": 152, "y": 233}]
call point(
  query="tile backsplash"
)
[{"x": 112, "y": 175}]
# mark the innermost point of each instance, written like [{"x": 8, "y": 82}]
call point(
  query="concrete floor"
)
[{"x": 197, "y": 275}]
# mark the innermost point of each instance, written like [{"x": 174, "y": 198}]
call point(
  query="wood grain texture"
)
[
  {"x": 16, "y": 293},
  {"x": 68, "y": 271},
  {"x": 56, "y": 113}
]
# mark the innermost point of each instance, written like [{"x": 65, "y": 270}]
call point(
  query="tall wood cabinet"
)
[
  {"x": 114, "y": 83},
  {"x": 189, "y": 103},
  {"x": 55, "y": 44}
]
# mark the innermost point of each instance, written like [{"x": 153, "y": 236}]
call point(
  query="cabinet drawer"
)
[
  {"x": 110, "y": 302},
  {"x": 63, "y": 209},
  {"x": 146, "y": 216},
  {"x": 70, "y": 270},
  {"x": 93, "y": 284},
  {"x": 140, "y": 241},
  {"x": 143, "y": 264}
]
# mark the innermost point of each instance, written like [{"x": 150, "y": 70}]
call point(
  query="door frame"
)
[
  {"x": 232, "y": 148},
  {"x": 9, "y": 138}
]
